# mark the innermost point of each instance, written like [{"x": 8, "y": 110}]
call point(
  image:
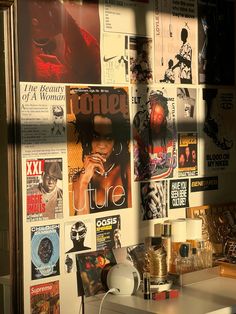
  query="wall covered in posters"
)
[{"x": 118, "y": 130}]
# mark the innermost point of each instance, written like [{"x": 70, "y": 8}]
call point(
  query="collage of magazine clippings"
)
[{"x": 113, "y": 117}]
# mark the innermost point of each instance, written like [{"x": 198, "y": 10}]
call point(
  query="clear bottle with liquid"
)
[
  {"x": 196, "y": 260},
  {"x": 205, "y": 254},
  {"x": 184, "y": 261}
]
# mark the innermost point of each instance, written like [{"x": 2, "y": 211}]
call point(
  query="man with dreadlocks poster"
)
[
  {"x": 98, "y": 149},
  {"x": 154, "y": 135}
]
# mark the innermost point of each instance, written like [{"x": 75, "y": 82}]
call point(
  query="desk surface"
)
[{"x": 216, "y": 295}]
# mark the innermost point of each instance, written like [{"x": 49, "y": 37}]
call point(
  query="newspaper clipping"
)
[
  {"x": 115, "y": 59},
  {"x": 140, "y": 60}
]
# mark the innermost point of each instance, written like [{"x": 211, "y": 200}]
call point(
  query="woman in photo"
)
[{"x": 103, "y": 183}]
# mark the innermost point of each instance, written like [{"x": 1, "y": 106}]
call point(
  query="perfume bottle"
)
[
  {"x": 166, "y": 241},
  {"x": 184, "y": 261},
  {"x": 205, "y": 254},
  {"x": 196, "y": 260},
  {"x": 178, "y": 236}
]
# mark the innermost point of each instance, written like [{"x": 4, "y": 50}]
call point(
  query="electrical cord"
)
[{"x": 109, "y": 291}]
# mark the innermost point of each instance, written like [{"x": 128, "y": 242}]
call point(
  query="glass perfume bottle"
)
[
  {"x": 166, "y": 240},
  {"x": 205, "y": 254},
  {"x": 196, "y": 260},
  {"x": 184, "y": 261}
]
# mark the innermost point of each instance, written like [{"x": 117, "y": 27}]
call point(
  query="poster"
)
[
  {"x": 108, "y": 232},
  {"x": 179, "y": 193},
  {"x": 216, "y": 50},
  {"x": 78, "y": 236},
  {"x": 140, "y": 51},
  {"x": 175, "y": 25},
  {"x": 154, "y": 199},
  {"x": 154, "y": 132},
  {"x": 115, "y": 62},
  {"x": 187, "y": 154},
  {"x": 186, "y": 104},
  {"x": 204, "y": 184},
  {"x": 130, "y": 13},
  {"x": 218, "y": 130},
  {"x": 45, "y": 251},
  {"x": 90, "y": 266},
  {"x": 61, "y": 45},
  {"x": 98, "y": 152},
  {"x": 44, "y": 199},
  {"x": 45, "y": 298}
]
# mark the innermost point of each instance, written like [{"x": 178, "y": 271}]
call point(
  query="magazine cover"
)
[
  {"x": 78, "y": 236},
  {"x": 90, "y": 268},
  {"x": 154, "y": 132},
  {"x": 218, "y": 130},
  {"x": 45, "y": 298},
  {"x": 186, "y": 110},
  {"x": 115, "y": 62},
  {"x": 108, "y": 232},
  {"x": 175, "y": 25},
  {"x": 45, "y": 251},
  {"x": 44, "y": 198},
  {"x": 216, "y": 50},
  {"x": 98, "y": 127},
  {"x": 187, "y": 154},
  {"x": 140, "y": 50},
  {"x": 61, "y": 44},
  {"x": 154, "y": 199}
]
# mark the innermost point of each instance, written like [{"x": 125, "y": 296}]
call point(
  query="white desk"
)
[{"x": 217, "y": 295}]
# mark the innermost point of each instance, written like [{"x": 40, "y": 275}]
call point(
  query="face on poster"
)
[
  {"x": 154, "y": 132},
  {"x": 44, "y": 199},
  {"x": 58, "y": 41},
  {"x": 98, "y": 152},
  {"x": 78, "y": 235},
  {"x": 45, "y": 251}
]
